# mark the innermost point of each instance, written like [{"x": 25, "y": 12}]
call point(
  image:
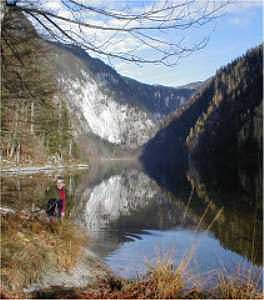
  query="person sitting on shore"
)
[{"x": 57, "y": 200}]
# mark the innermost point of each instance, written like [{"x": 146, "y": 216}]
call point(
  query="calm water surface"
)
[{"x": 134, "y": 220}]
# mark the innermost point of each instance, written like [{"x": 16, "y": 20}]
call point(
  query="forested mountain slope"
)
[
  {"x": 35, "y": 121},
  {"x": 223, "y": 119},
  {"x": 232, "y": 123}
]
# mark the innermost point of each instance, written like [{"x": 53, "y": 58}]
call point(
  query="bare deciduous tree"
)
[{"x": 125, "y": 31}]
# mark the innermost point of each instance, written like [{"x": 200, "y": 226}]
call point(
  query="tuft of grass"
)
[
  {"x": 30, "y": 247},
  {"x": 236, "y": 288},
  {"x": 162, "y": 281}
]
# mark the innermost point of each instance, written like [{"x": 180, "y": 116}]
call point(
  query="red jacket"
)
[{"x": 62, "y": 195}]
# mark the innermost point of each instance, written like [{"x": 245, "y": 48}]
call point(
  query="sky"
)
[
  {"x": 238, "y": 28},
  {"x": 235, "y": 32}
]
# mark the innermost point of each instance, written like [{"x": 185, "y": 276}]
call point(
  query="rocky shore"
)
[{"x": 20, "y": 170}]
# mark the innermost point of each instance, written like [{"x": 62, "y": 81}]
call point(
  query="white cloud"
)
[
  {"x": 53, "y": 6},
  {"x": 240, "y": 21},
  {"x": 240, "y": 12},
  {"x": 237, "y": 6}
]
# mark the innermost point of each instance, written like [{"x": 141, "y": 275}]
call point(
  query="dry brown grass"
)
[
  {"x": 163, "y": 281},
  {"x": 236, "y": 288},
  {"x": 30, "y": 246}
]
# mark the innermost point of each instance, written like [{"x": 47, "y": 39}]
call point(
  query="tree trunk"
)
[
  {"x": 11, "y": 152},
  {"x": 18, "y": 150},
  {"x": 70, "y": 185},
  {"x": 32, "y": 118},
  {"x": 70, "y": 149},
  {"x": 2, "y": 11}
]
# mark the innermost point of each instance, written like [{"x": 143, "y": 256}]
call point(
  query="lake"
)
[{"x": 134, "y": 220}]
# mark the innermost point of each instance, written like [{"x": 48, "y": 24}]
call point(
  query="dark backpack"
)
[{"x": 53, "y": 208}]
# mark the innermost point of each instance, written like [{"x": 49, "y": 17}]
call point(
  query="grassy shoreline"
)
[
  {"x": 30, "y": 245},
  {"x": 162, "y": 282}
]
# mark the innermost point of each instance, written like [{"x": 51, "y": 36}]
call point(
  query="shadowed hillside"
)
[{"x": 222, "y": 121}]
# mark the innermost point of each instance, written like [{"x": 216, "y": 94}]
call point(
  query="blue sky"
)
[{"x": 239, "y": 29}]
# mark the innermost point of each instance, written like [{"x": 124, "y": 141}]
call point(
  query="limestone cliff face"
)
[
  {"x": 116, "y": 109},
  {"x": 99, "y": 110}
]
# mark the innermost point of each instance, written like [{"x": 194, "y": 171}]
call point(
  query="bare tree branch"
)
[{"x": 102, "y": 30}]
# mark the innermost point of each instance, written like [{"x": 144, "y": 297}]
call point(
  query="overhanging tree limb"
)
[{"x": 152, "y": 27}]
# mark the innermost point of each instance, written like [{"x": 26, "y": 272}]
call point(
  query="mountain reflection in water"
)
[{"x": 133, "y": 219}]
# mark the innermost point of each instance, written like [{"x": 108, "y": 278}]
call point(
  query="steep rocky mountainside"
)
[
  {"x": 57, "y": 100},
  {"x": 222, "y": 120},
  {"x": 156, "y": 99},
  {"x": 161, "y": 100},
  {"x": 95, "y": 108},
  {"x": 117, "y": 109}
]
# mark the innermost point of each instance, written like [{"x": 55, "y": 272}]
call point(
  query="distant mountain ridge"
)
[
  {"x": 160, "y": 100},
  {"x": 192, "y": 85}
]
